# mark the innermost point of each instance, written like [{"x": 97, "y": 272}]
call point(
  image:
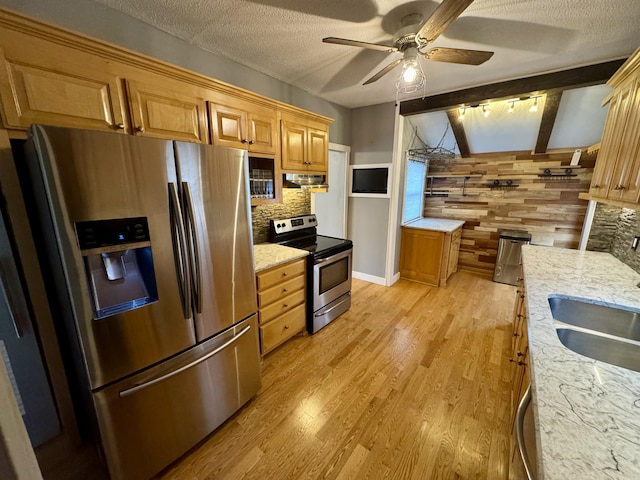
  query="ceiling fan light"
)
[{"x": 409, "y": 73}]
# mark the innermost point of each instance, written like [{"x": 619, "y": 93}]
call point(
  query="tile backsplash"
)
[
  {"x": 613, "y": 231},
  {"x": 295, "y": 201}
]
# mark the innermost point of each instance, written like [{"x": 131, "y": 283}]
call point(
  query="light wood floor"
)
[{"x": 411, "y": 383}]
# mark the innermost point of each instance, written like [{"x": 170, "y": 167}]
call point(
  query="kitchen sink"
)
[
  {"x": 606, "y": 349},
  {"x": 600, "y": 318}
]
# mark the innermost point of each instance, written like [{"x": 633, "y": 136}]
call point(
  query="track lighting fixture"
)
[
  {"x": 461, "y": 112},
  {"x": 534, "y": 107}
]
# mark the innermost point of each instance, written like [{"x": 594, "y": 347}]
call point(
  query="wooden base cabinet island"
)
[{"x": 429, "y": 250}]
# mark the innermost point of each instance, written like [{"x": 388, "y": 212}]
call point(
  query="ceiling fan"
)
[{"x": 413, "y": 38}]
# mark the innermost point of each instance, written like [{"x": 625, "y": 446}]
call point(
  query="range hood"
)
[{"x": 300, "y": 180}]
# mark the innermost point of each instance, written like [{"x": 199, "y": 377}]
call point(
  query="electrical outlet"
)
[{"x": 634, "y": 244}]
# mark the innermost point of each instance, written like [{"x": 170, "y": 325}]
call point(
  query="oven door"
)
[{"x": 331, "y": 278}]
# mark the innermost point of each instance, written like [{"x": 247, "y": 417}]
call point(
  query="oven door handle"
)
[
  {"x": 324, "y": 312},
  {"x": 332, "y": 258}
]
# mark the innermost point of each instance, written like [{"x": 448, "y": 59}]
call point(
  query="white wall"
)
[{"x": 101, "y": 22}]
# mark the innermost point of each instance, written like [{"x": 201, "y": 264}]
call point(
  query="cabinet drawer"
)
[
  {"x": 273, "y": 294},
  {"x": 278, "y": 274},
  {"x": 282, "y": 328},
  {"x": 283, "y": 305}
]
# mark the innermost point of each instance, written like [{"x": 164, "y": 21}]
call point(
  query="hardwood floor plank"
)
[{"x": 413, "y": 382}]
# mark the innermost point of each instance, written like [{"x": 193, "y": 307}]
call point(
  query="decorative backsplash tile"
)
[
  {"x": 295, "y": 201},
  {"x": 613, "y": 231}
]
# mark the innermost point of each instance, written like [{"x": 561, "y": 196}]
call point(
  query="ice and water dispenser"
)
[{"x": 118, "y": 264}]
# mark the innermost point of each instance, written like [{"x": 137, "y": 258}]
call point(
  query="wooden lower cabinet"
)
[
  {"x": 429, "y": 256},
  {"x": 281, "y": 303},
  {"x": 521, "y": 378}
]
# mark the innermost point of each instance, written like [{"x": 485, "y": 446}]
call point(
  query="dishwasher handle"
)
[{"x": 520, "y": 413}]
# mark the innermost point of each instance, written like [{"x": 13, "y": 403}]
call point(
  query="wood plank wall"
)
[{"x": 548, "y": 208}]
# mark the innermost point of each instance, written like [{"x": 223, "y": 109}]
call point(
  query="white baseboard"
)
[
  {"x": 369, "y": 278},
  {"x": 394, "y": 279}
]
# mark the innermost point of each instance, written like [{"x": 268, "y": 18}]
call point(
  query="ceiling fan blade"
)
[
  {"x": 384, "y": 71},
  {"x": 458, "y": 55},
  {"x": 446, "y": 13},
  {"x": 356, "y": 43}
]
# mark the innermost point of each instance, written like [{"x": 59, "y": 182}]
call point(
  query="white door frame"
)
[
  {"x": 392, "y": 277},
  {"x": 336, "y": 147}
]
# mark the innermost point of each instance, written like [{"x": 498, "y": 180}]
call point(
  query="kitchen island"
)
[
  {"x": 587, "y": 412},
  {"x": 429, "y": 250}
]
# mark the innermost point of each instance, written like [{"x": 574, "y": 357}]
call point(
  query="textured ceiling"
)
[{"x": 283, "y": 38}]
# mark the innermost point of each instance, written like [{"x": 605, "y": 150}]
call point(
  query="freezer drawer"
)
[{"x": 151, "y": 419}]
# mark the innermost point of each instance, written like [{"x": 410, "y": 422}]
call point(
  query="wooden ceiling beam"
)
[
  {"x": 458, "y": 131},
  {"x": 551, "y": 104},
  {"x": 535, "y": 85}
]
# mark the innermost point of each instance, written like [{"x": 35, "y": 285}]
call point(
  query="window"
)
[{"x": 415, "y": 172}]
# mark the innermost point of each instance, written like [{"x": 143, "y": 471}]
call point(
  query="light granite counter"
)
[
  {"x": 435, "y": 224},
  {"x": 587, "y": 412},
  {"x": 267, "y": 255}
]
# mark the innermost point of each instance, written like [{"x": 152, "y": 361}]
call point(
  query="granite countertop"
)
[
  {"x": 435, "y": 224},
  {"x": 267, "y": 255},
  {"x": 587, "y": 412}
]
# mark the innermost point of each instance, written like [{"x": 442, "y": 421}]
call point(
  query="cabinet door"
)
[
  {"x": 294, "y": 146},
  {"x": 66, "y": 94},
  {"x": 159, "y": 111},
  {"x": 262, "y": 125},
  {"x": 601, "y": 182},
  {"x": 626, "y": 176},
  {"x": 317, "y": 158},
  {"x": 228, "y": 126},
  {"x": 421, "y": 255}
]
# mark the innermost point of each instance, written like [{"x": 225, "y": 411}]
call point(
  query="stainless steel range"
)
[{"x": 328, "y": 267}]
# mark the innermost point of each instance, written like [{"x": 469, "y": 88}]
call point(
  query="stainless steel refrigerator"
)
[{"x": 148, "y": 246}]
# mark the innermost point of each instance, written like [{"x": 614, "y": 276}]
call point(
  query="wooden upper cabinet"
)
[
  {"x": 611, "y": 144},
  {"x": 305, "y": 145},
  {"x": 617, "y": 173},
  {"x": 158, "y": 110},
  {"x": 294, "y": 146},
  {"x": 625, "y": 185},
  {"x": 318, "y": 150},
  {"x": 243, "y": 125},
  {"x": 49, "y": 89}
]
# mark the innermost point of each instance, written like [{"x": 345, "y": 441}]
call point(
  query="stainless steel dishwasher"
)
[{"x": 509, "y": 259}]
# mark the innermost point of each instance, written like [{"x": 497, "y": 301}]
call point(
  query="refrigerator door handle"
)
[
  {"x": 179, "y": 250},
  {"x": 14, "y": 309},
  {"x": 142, "y": 386},
  {"x": 194, "y": 247}
]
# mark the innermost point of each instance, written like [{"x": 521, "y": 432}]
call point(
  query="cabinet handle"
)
[
  {"x": 596, "y": 186},
  {"x": 516, "y": 334},
  {"x": 284, "y": 290},
  {"x": 119, "y": 126},
  {"x": 244, "y": 140},
  {"x": 284, "y": 274},
  {"x": 285, "y": 305},
  {"x": 140, "y": 129},
  {"x": 521, "y": 363},
  {"x": 519, "y": 354},
  {"x": 251, "y": 142},
  {"x": 286, "y": 327}
]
